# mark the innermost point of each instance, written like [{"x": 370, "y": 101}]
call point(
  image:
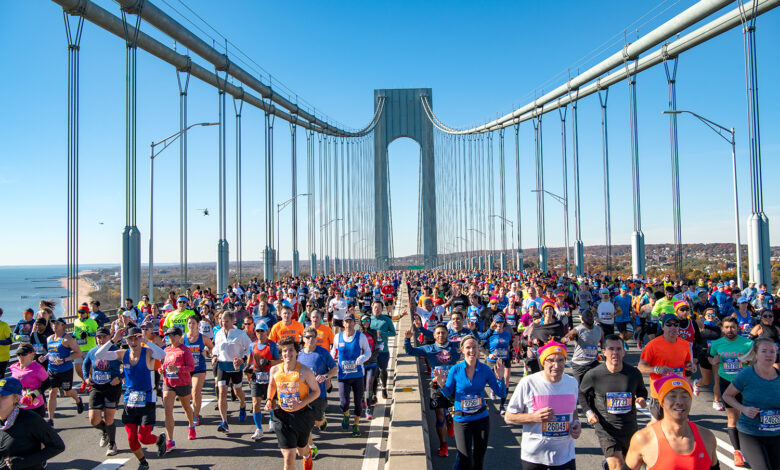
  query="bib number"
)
[
  {"x": 136, "y": 399},
  {"x": 38, "y": 348},
  {"x": 81, "y": 342},
  {"x": 556, "y": 428},
  {"x": 101, "y": 377},
  {"x": 769, "y": 420},
  {"x": 471, "y": 404},
  {"x": 261, "y": 377},
  {"x": 349, "y": 367},
  {"x": 731, "y": 365},
  {"x": 619, "y": 403},
  {"x": 589, "y": 352},
  {"x": 288, "y": 400}
]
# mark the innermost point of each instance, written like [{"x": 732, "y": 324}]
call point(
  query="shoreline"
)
[{"x": 84, "y": 288}]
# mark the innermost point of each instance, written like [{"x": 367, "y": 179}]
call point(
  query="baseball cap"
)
[
  {"x": 498, "y": 319},
  {"x": 29, "y": 310},
  {"x": 24, "y": 350},
  {"x": 182, "y": 299},
  {"x": 174, "y": 330},
  {"x": 10, "y": 386},
  {"x": 103, "y": 331},
  {"x": 134, "y": 331},
  {"x": 720, "y": 284},
  {"x": 603, "y": 291},
  {"x": 261, "y": 326},
  {"x": 742, "y": 300},
  {"x": 667, "y": 317},
  {"x": 290, "y": 291}
]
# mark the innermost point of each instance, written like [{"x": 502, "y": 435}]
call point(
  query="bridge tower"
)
[{"x": 403, "y": 116}]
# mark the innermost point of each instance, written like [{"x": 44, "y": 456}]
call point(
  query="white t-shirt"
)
[
  {"x": 606, "y": 311},
  {"x": 547, "y": 443},
  {"x": 339, "y": 308}
]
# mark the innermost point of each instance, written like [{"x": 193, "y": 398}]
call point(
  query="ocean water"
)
[{"x": 22, "y": 287}]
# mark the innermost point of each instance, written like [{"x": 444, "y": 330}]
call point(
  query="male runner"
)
[
  {"x": 231, "y": 346},
  {"x": 105, "y": 381},
  {"x": 263, "y": 354}
]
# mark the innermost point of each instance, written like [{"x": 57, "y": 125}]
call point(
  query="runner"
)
[
  {"x": 177, "y": 383},
  {"x": 324, "y": 332},
  {"x": 499, "y": 344},
  {"x": 105, "y": 381},
  {"x": 383, "y": 324},
  {"x": 611, "y": 390},
  {"x": 466, "y": 382},
  {"x": 726, "y": 353},
  {"x": 370, "y": 366},
  {"x": 231, "y": 346},
  {"x": 199, "y": 344},
  {"x": 295, "y": 388},
  {"x": 759, "y": 407},
  {"x": 588, "y": 337},
  {"x": 710, "y": 328},
  {"x": 319, "y": 360},
  {"x": 26, "y": 441},
  {"x": 664, "y": 355},
  {"x": 606, "y": 312},
  {"x": 286, "y": 327},
  {"x": 179, "y": 316},
  {"x": 624, "y": 316},
  {"x": 442, "y": 354},
  {"x": 673, "y": 442},
  {"x": 62, "y": 352},
  {"x": 263, "y": 354},
  {"x": 140, "y": 397},
  {"x": 352, "y": 350},
  {"x": 545, "y": 404},
  {"x": 24, "y": 327},
  {"x": 84, "y": 330},
  {"x": 34, "y": 379}
]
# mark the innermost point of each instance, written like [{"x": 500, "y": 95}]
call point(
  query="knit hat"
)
[
  {"x": 553, "y": 347},
  {"x": 546, "y": 304},
  {"x": 680, "y": 304},
  {"x": 669, "y": 382}
]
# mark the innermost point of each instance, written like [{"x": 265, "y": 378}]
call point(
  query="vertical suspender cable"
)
[
  {"x": 519, "y": 262},
  {"x": 562, "y": 113},
  {"x": 605, "y": 155},
  {"x": 183, "y": 87},
  {"x": 671, "y": 80},
  {"x": 579, "y": 256}
]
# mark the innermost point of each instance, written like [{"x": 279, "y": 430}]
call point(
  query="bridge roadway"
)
[{"x": 213, "y": 450}]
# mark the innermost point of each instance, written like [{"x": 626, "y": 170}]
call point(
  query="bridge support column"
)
[
  {"x": 579, "y": 248},
  {"x": 542, "y": 248},
  {"x": 671, "y": 79},
  {"x": 223, "y": 259},
  {"x": 758, "y": 223},
  {"x": 637, "y": 236},
  {"x": 131, "y": 236},
  {"x": 183, "y": 87},
  {"x": 605, "y": 163},
  {"x": 519, "y": 251},
  {"x": 268, "y": 254}
]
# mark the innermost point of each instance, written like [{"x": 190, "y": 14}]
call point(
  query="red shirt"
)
[{"x": 181, "y": 357}]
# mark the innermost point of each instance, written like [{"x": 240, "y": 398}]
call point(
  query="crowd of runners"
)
[{"x": 292, "y": 341}]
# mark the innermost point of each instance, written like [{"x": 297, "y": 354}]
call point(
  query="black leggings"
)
[
  {"x": 761, "y": 452},
  {"x": 570, "y": 465},
  {"x": 471, "y": 438},
  {"x": 348, "y": 387}
]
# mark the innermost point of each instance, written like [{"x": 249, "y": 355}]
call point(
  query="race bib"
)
[
  {"x": 590, "y": 352},
  {"x": 769, "y": 420},
  {"x": 81, "y": 342},
  {"x": 39, "y": 349},
  {"x": 136, "y": 399},
  {"x": 471, "y": 404},
  {"x": 171, "y": 375},
  {"x": 557, "y": 428},
  {"x": 23, "y": 339},
  {"x": 731, "y": 365},
  {"x": 619, "y": 403},
  {"x": 261, "y": 377},
  {"x": 349, "y": 367},
  {"x": 502, "y": 353},
  {"x": 101, "y": 377},
  {"x": 678, "y": 370},
  {"x": 53, "y": 356},
  {"x": 288, "y": 400}
]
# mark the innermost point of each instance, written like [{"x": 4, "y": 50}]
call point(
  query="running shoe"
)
[
  {"x": 258, "y": 434},
  {"x": 216, "y": 407},
  {"x": 443, "y": 451},
  {"x": 696, "y": 388},
  {"x": 716, "y": 405},
  {"x": 345, "y": 422},
  {"x": 369, "y": 413},
  {"x": 501, "y": 410},
  {"x": 170, "y": 445},
  {"x": 604, "y": 465},
  {"x": 103, "y": 441},
  {"x": 355, "y": 430},
  {"x": 161, "y": 447},
  {"x": 450, "y": 427},
  {"x": 196, "y": 421},
  {"x": 324, "y": 424},
  {"x": 384, "y": 393},
  {"x": 271, "y": 427},
  {"x": 111, "y": 449},
  {"x": 80, "y": 406},
  {"x": 739, "y": 459},
  {"x": 51, "y": 422},
  {"x": 223, "y": 427},
  {"x": 308, "y": 464},
  {"x": 191, "y": 434},
  {"x": 639, "y": 344},
  {"x": 241, "y": 415},
  {"x": 82, "y": 388},
  {"x": 143, "y": 465},
  {"x": 314, "y": 450}
]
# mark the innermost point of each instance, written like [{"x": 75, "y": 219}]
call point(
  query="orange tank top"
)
[
  {"x": 668, "y": 459},
  {"x": 289, "y": 387}
]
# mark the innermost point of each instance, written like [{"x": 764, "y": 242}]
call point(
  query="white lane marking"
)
[
  {"x": 728, "y": 461},
  {"x": 111, "y": 464},
  {"x": 371, "y": 459},
  {"x": 178, "y": 409}
]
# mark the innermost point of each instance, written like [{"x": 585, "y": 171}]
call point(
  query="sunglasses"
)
[
  {"x": 308, "y": 336},
  {"x": 248, "y": 324},
  {"x": 672, "y": 324},
  {"x": 767, "y": 316},
  {"x": 685, "y": 309}
]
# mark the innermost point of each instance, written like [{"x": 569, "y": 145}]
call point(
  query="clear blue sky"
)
[{"x": 481, "y": 60}]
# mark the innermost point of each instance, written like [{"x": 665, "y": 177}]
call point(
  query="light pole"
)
[
  {"x": 718, "y": 129},
  {"x": 165, "y": 143},
  {"x": 279, "y": 208},
  {"x": 565, "y": 204}
]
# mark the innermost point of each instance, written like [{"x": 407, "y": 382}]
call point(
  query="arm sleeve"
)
[
  {"x": 103, "y": 352},
  {"x": 86, "y": 364},
  {"x": 586, "y": 388},
  {"x": 390, "y": 329},
  {"x": 157, "y": 352},
  {"x": 365, "y": 350}
]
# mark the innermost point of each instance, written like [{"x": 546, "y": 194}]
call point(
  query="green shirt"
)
[
  {"x": 662, "y": 307},
  {"x": 88, "y": 326},
  {"x": 176, "y": 318},
  {"x": 384, "y": 326},
  {"x": 729, "y": 352}
]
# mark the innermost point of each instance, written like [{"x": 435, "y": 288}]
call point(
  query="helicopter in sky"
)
[{"x": 205, "y": 211}]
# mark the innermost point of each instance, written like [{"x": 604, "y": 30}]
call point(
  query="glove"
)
[{"x": 83, "y": 335}]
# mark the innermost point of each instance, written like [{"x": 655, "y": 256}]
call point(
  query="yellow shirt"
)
[
  {"x": 5, "y": 336},
  {"x": 289, "y": 387}
]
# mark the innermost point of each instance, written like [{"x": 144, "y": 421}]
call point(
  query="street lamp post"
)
[
  {"x": 165, "y": 143},
  {"x": 718, "y": 129},
  {"x": 279, "y": 208},
  {"x": 565, "y": 204}
]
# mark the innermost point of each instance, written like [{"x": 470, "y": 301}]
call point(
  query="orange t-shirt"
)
[
  {"x": 660, "y": 352},
  {"x": 280, "y": 330},
  {"x": 324, "y": 336}
]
